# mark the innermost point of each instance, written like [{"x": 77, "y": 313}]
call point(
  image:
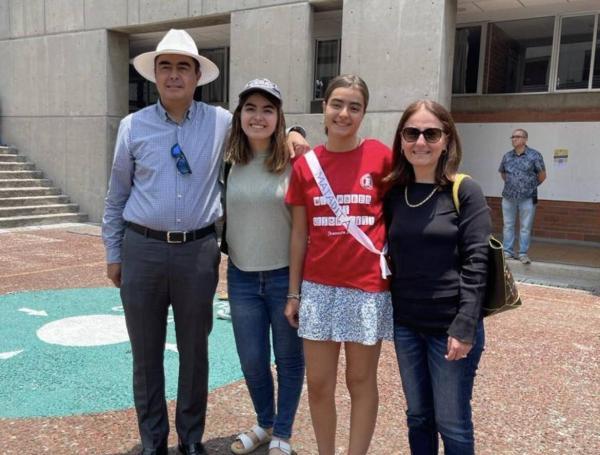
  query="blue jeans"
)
[
  {"x": 526, "y": 209},
  {"x": 257, "y": 301},
  {"x": 438, "y": 392}
]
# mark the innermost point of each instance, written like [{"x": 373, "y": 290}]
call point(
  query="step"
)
[
  {"x": 38, "y": 210},
  {"x": 36, "y": 220},
  {"x": 20, "y": 166},
  {"x": 558, "y": 275},
  {"x": 21, "y": 175},
  {"x": 29, "y": 192},
  {"x": 8, "y": 150},
  {"x": 24, "y": 183},
  {"x": 12, "y": 158},
  {"x": 33, "y": 200}
]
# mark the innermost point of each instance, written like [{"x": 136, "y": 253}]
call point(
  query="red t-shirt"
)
[{"x": 333, "y": 256}]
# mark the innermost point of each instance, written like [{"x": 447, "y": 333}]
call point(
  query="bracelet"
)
[{"x": 291, "y": 295}]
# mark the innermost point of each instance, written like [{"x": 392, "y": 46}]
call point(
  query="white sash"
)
[{"x": 345, "y": 220}]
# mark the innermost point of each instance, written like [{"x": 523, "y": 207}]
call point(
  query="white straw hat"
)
[{"x": 176, "y": 42}]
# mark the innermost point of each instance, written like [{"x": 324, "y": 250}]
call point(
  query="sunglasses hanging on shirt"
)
[{"x": 182, "y": 163}]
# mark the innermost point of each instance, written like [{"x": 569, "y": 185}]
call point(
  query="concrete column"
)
[
  {"x": 61, "y": 97},
  {"x": 402, "y": 48},
  {"x": 275, "y": 43},
  {"x": 4, "y": 19}
]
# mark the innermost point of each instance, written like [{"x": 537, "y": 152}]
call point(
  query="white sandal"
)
[
  {"x": 283, "y": 446},
  {"x": 249, "y": 444}
]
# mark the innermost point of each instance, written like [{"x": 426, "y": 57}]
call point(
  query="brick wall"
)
[{"x": 558, "y": 219}]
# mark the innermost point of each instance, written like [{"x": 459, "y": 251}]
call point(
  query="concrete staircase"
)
[{"x": 27, "y": 198}]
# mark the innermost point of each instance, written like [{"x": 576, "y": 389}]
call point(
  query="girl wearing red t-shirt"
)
[{"x": 338, "y": 291}]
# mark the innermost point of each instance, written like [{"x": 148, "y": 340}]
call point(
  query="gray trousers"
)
[{"x": 154, "y": 275}]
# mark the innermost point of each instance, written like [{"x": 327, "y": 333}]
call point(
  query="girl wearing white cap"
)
[{"x": 257, "y": 238}]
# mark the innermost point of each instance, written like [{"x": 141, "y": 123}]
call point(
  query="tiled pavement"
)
[{"x": 537, "y": 390}]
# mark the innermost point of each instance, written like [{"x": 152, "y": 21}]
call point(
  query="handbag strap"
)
[
  {"x": 458, "y": 178},
  {"x": 345, "y": 220}
]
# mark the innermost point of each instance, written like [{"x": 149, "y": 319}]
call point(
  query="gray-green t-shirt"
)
[{"x": 258, "y": 220}]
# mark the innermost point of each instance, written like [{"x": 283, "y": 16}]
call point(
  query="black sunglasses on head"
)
[
  {"x": 182, "y": 163},
  {"x": 431, "y": 135}
]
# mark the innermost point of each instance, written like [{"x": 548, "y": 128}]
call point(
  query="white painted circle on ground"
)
[{"x": 92, "y": 330}]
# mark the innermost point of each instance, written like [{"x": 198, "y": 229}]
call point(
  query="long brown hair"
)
[
  {"x": 346, "y": 81},
  {"x": 402, "y": 171},
  {"x": 238, "y": 149}
]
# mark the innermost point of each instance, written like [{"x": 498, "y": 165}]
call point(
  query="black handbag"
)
[{"x": 501, "y": 289}]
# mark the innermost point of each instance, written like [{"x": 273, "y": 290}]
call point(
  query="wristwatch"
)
[{"x": 297, "y": 129}]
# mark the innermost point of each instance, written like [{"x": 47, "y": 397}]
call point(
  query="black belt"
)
[{"x": 172, "y": 236}]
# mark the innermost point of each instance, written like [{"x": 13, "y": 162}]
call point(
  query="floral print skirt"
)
[{"x": 332, "y": 313}]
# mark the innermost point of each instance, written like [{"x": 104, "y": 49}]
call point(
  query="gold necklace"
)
[{"x": 419, "y": 204}]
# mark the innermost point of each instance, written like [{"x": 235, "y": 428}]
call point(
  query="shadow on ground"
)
[{"x": 213, "y": 446}]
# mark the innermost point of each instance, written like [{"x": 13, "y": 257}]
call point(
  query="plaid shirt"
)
[{"x": 521, "y": 173}]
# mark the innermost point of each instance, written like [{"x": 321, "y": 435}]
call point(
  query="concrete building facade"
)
[{"x": 65, "y": 79}]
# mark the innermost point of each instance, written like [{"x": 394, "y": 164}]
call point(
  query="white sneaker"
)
[{"x": 223, "y": 310}]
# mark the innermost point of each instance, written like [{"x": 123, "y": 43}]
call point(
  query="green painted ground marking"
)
[{"x": 66, "y": 352}]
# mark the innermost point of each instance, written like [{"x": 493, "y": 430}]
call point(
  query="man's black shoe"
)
[
  {"x": 162, "y": 449},
  {"x": 192, "y": 449}
]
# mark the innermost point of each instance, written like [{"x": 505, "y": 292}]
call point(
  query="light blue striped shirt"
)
[{"x": 145, "y": 186}]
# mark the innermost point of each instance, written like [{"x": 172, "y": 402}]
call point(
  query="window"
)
[
  {"x": 141, "y": 92},
  {"x": 596, "y": 77},
  {"x": 327, "y": 65},
  {"x": 217, "y": 92},
  {"x": 528, "y": 55},
  {"x": 575, "y": 55},
  {"x": 518, "y": 56},
  {"x": 466, "y": 60}
]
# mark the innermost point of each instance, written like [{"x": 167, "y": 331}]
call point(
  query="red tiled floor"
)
[{"x": 537, "y": 390}]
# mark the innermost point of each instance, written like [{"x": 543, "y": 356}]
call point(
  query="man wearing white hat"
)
[{"x": 159, "y": 235}]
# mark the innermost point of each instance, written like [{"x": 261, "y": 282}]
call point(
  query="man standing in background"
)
[{"x": 522, "y": 170}]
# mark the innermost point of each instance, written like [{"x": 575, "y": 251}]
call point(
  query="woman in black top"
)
[{"x": 439, "y": 268}]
